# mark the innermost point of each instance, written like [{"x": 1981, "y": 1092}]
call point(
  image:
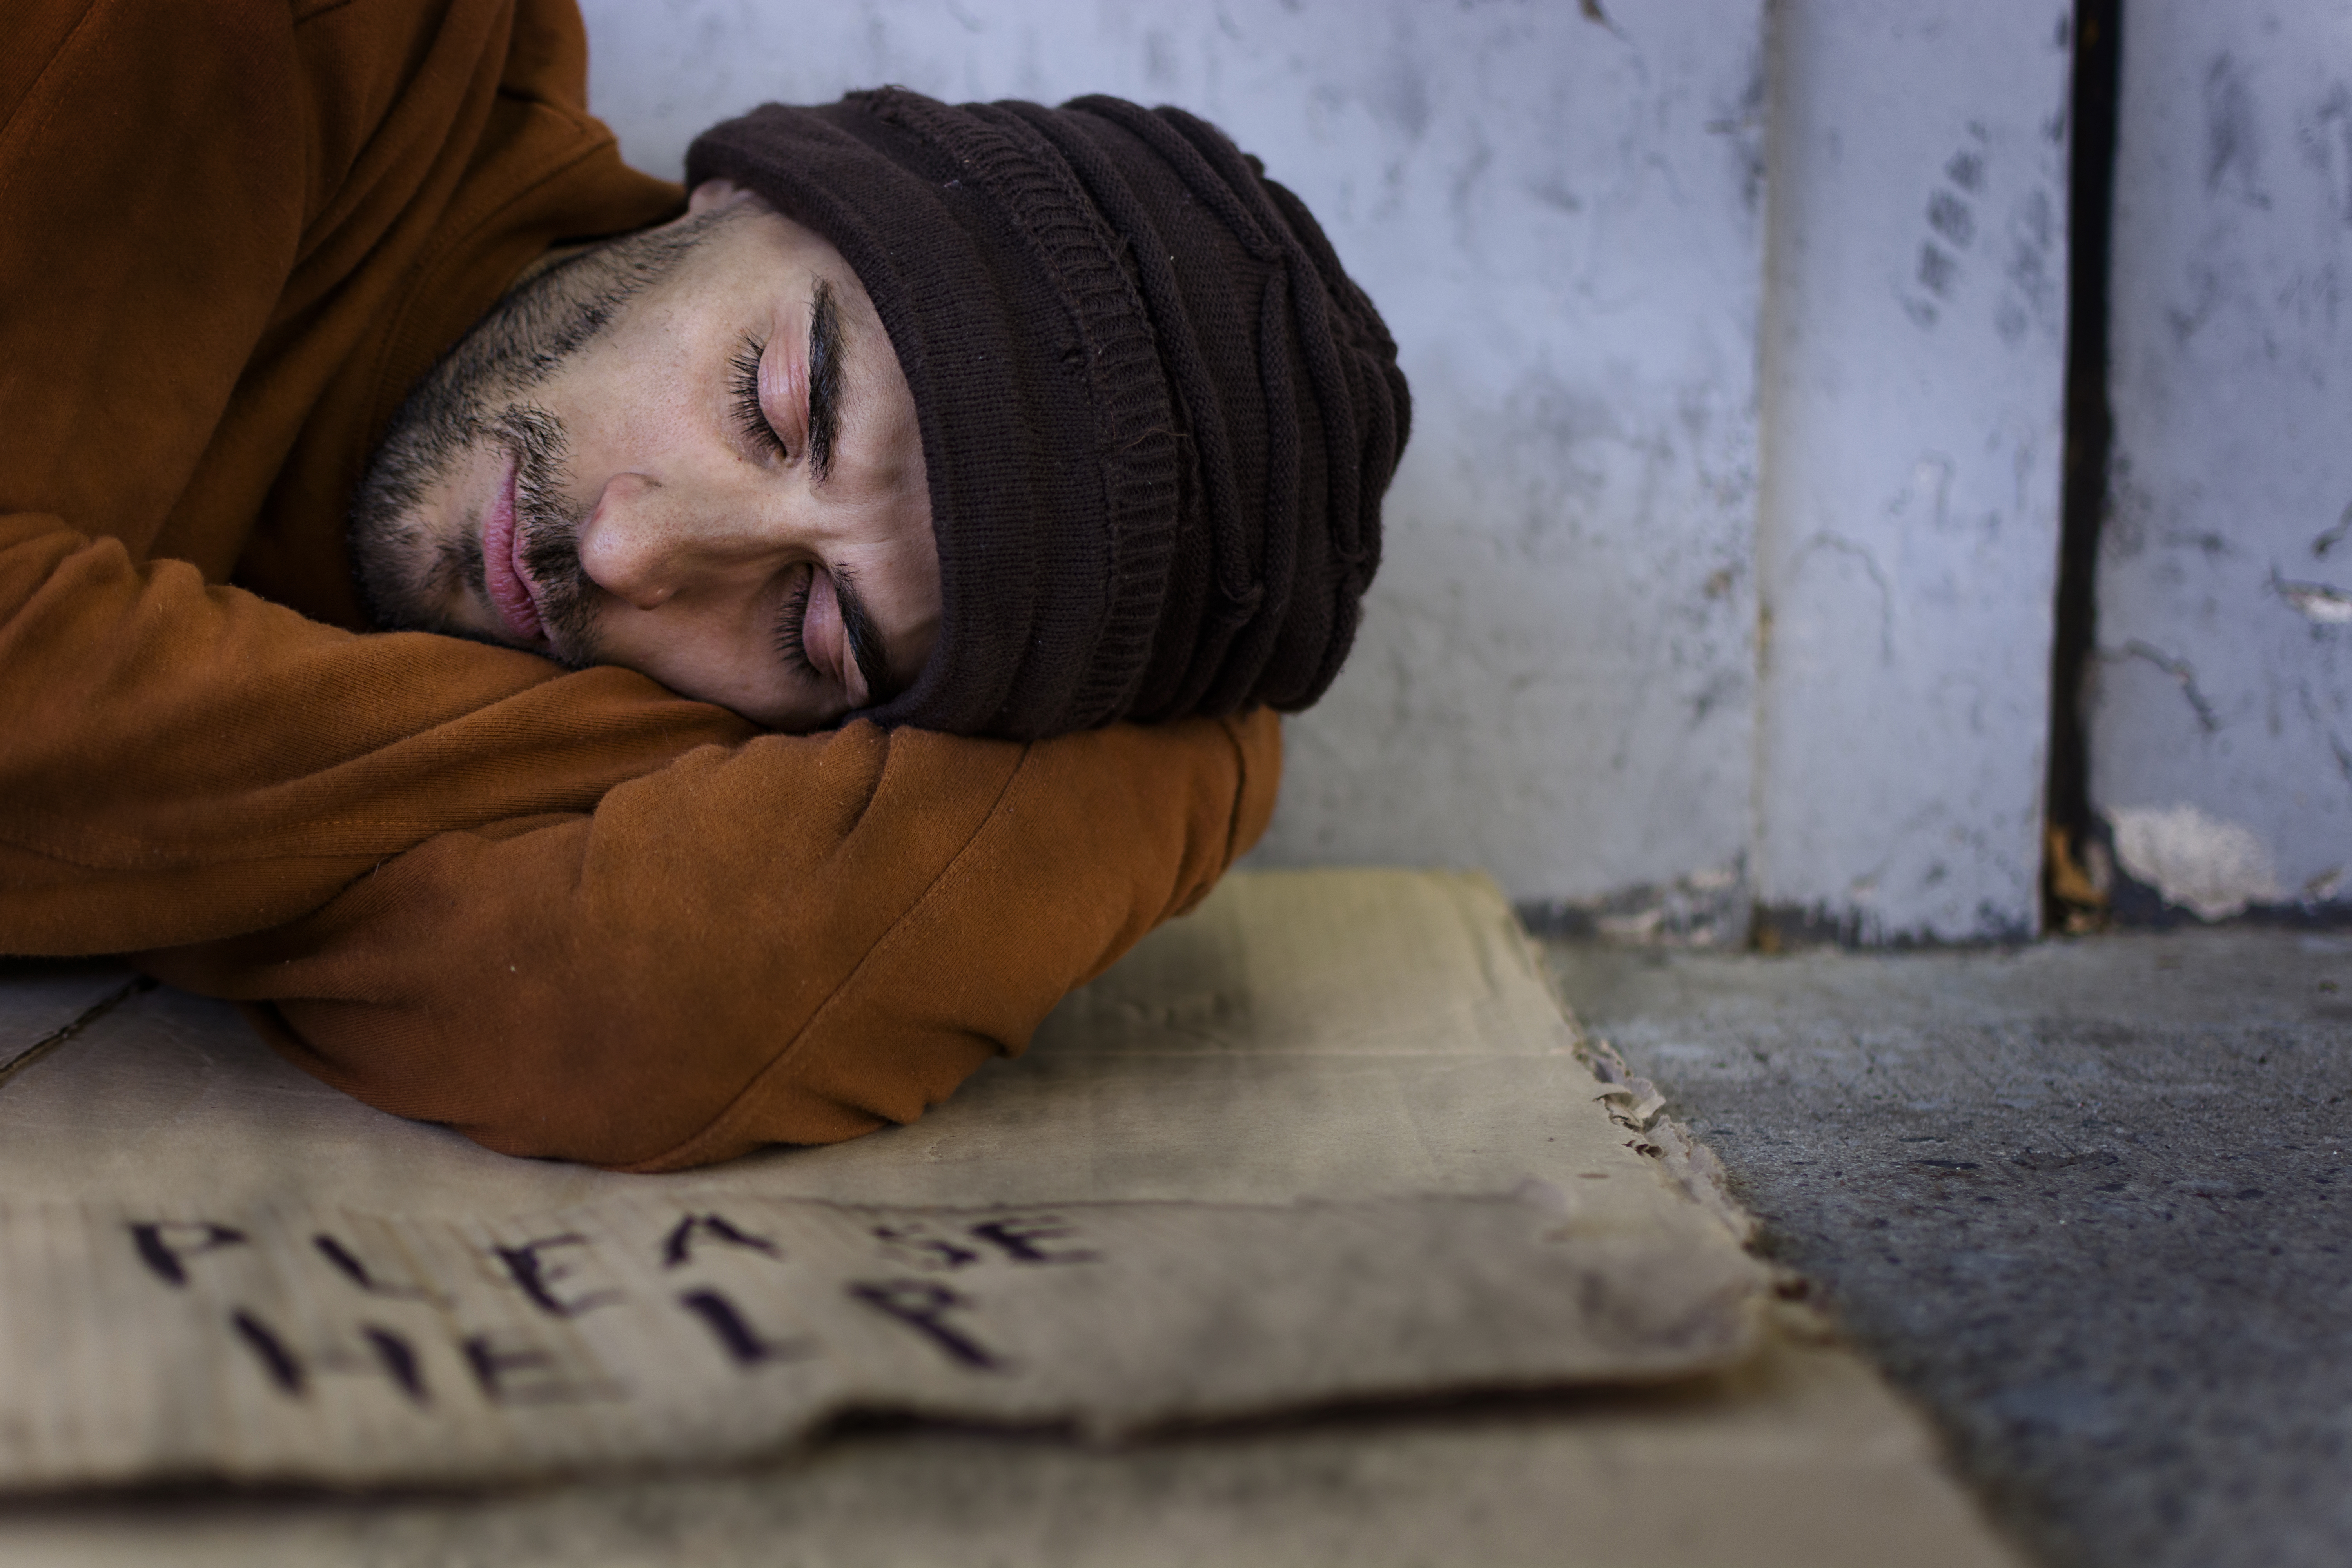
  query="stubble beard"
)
[{"x": 477, "y": 396}]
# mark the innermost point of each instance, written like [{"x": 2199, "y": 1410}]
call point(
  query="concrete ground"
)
[{"x": 2087, "y": 1200}]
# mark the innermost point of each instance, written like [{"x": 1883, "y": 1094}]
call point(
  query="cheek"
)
[
  {"x": 914, "y": 563},
  {"x": 625, "y": 405},
  {"x": 730, "y": 664},
  {"x": 682, "y": 652}
]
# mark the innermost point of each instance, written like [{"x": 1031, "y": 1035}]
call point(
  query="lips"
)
[{"x": 503, "y": 577}]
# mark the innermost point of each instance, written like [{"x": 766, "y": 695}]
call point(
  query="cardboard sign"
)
[{"x": 321, "y": 1344}]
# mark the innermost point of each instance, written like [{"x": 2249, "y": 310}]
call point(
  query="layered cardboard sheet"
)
[{"x": 1329, "y": 1144}]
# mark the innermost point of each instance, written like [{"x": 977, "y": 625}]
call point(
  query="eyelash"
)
[
  {"x": 789, "y": 622},
  {"x": 749, "y": 414}
]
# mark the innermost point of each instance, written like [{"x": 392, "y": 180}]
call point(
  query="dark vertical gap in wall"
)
[{"x": 2098, "y": 54}]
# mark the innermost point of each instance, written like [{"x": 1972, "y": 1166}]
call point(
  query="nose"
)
[{"x": 647, "y": 540}]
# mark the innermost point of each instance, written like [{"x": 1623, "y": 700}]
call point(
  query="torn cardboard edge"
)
[{"x": 1637, "y": 1105}]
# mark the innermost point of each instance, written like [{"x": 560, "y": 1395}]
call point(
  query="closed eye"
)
[
  {"x": 750, "y": 418},
  {"x": 790, "y": 632}
]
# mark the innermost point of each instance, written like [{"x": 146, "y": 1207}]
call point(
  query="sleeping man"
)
[{"x": 637, "y": 675}]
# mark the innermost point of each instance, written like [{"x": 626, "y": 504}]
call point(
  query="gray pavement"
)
[{"x": 2087, "y": 1200}]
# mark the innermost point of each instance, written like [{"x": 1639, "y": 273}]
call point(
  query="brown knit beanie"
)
[{"x": 1157, "y": 416}]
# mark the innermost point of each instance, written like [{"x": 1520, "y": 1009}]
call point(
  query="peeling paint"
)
[
  {"x": 2213, "y": 869},
  {"x": 2221, "y": 558},
  {"x": 2334, "y": 536},
  {"x": 2232, "y": 136},
  {"x": 1953, "y": 218},
  {"x": 2317, "y": 603},
  {"x": 1851, "y": 550},
  {"x": 1707, "y": 909},
  {"x": 2184, "y": 674},
  {"x": 1937, "y": 270}
]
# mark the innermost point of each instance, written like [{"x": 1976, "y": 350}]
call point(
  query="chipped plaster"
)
[
  {"x": 2213, "y": 869},
  {"x": 2223, "y": 685}
]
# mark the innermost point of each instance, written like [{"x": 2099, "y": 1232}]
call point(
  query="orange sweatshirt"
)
[{"x": 569, "y": 913}]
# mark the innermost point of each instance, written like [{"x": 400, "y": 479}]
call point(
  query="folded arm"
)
[
  {"x": 181, "y": 762},
  {"x": 568, "y": 914},
  {"x": 796, "y": 940}
]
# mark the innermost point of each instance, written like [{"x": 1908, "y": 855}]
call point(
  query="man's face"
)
[{"x": 691, "y": 452}]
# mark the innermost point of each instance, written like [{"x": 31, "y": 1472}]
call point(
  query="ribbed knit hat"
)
[{"x": 1157, "y": 416}]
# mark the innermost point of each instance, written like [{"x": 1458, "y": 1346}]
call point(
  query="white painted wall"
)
[
  {"x": 1559, "y": 218},
  {"x": 2221, "y": 714},
  {"x": 1913, "y": 375}
]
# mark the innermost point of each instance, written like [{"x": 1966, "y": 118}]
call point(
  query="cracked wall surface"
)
[
  {"x": 1558, "y": 208},
  {"x": 2221, "y": 694},
  {"x": 1913, "y": 356}
]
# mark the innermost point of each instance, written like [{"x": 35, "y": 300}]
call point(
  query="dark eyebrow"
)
[
  {"x": 865, "y": 640},
  {"x": 824, "y": 371}
]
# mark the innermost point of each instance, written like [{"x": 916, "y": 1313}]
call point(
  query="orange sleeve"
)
[
  {"x": 213, "y": 210},
  {"x": 570, "y": 912},
  {"x": 181, "y": 761},
  {"x": 798, "y": 940}
]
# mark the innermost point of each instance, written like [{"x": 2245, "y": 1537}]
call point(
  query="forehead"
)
[
  {"x": 750, "y": 236},
  {"x": 754, "y": 256}
]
